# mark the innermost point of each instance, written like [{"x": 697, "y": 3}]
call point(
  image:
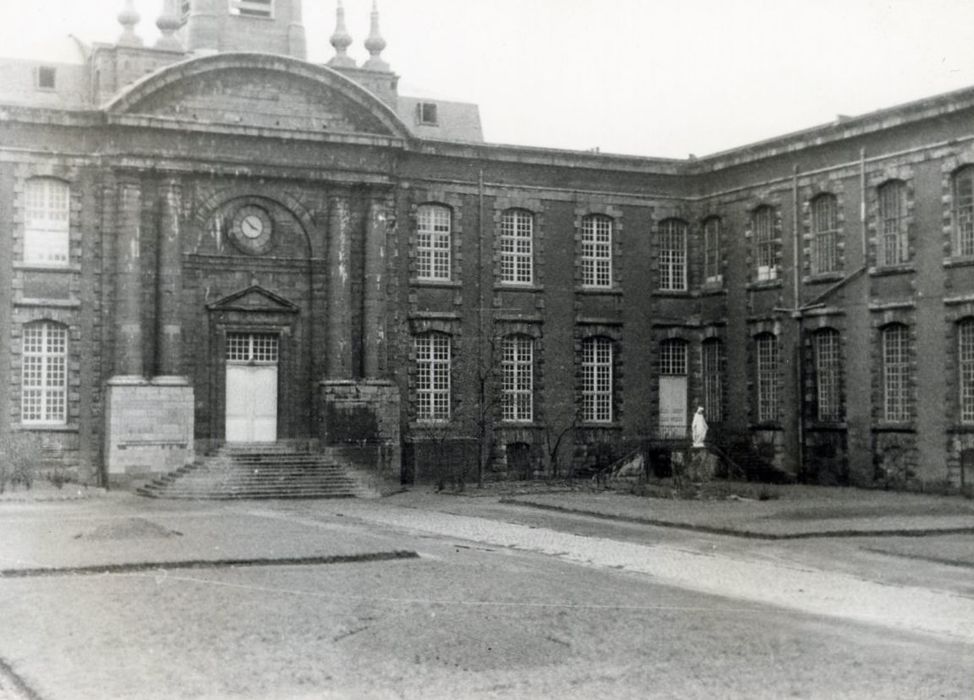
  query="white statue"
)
[{"x": 698, "y": 429}]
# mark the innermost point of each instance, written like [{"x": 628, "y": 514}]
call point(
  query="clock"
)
[{"x": 251, "y": 229}]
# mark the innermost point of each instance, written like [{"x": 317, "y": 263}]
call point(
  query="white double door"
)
[{"x": 251, "y": 393}]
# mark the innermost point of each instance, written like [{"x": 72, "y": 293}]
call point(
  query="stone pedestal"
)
[
  {"x": 701, "y": 466},
  {"x": 149, "y": 427},
  {"x": 360, "y": 421}
]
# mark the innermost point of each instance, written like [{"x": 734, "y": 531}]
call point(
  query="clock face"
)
[{"x": 251, "y": 229}]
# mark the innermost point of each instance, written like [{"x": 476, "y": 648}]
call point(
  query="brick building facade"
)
[{"x": 206, "y": 245}]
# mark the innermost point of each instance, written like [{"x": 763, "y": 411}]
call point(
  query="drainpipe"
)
[
  {"x": 862, "y": 204},
  {"x": 799, "y": 315},
  {"x": 481, "y": 301}
]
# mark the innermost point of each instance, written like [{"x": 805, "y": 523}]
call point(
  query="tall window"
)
[
  {"x": 46, "y": 221},
  {"x": 766, "y": 346},
  {"x": 964, "y": 212},
  {"x": 432, "y": 377},
  {"x": 517, "y": 365},
  {"x": 433, "y": 242},
  {"x": 825, "y": 234},
  {"x": 597, "y": 251},
  {"x": 252, "y": 8},
  {"x": 965, "y": 367},
  {"x": 713, "y": 390},
  {"x": 896, "y": 373},
  {"x": 894, "y": 246},
  {"x": 765, "y": 243},
  {"x": 597, "y": 380},
  {"x": 517, "y": 233},
  {"x": 711, "y": 250},
  {"x": 43, "y": 398},
  {"x": 828, "y": 374},
  {"x": 673, "y": 255}
]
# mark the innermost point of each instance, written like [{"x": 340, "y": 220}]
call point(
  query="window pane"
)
[
  {"x": 673, "y": 255},
  {"x": 827, "y": 374},
  {"x": 712, "y": 380},
  {"x": 964, "y": 211},
  {"x": 517, "y": 365},
  {"x": 893, "y": 246},
  {"x": 711, "y": 250},
  {"x": 432, "y": 377},
  {"x": 767, "y": 377},
  {"x": 46, "y": 221},
  {"x": 597, "y": 380},
  {"x": 825, "y": 225},
  {"x": 517, "y": 232},
  {"x": 896, "y": 373},
  {"x": 433, "y": 241},
  {"x": 44, "y": 373},
  {"x": 597, "y": 251}
]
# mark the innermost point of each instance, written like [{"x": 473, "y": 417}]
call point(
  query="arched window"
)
[
  {"x": 965, "y": 368},
  {"x": 713, "y": 381},
  {"x": 766, "y": 353},
  {"x": 825, "y": 234},
  {"x": 964, "y": 212},
  {"x": 517, "y": 235},
  {"x": 47, "y": 221},
  {"x": 765, "y": 243},
  {"x": 433, "y": 360},
  {"x": 597, "y": 378},
  {"x": 673, "y": 255},
  {"x": 433, "y": 242},
  {"x": 893, "y": 245},
  {"x": 44, "y": 374},
  {"x": 896, "y": 373},
  {"x": 711, "y": 251},
  {"x": 828, "y": 374},
  {"x": 517, "y": 369},
  {"x": 597, "y": 251}
]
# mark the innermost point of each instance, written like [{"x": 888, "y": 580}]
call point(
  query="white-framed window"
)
[
  {"x": 252, "y": 8},
  {"x": 765, "y": 243},
  {"x": 711, "y": 251},
  {"x": 713, "y": 383},
  {"x": 433, "y": 241},
  {"x": 47, "y": 226},
  {"x": 433, "y": 360},
  {"x": 825, "y": 234},
  {"x": 597, "y": 378},
  {"x": 517, "y": 367},
  {"x": 597, "y": 251},
  {"x": 964, "y": 212},
  {"x": 766, "y": 346},
  {"x": 828, "y": 374},
  {"x": 256, "y": 348},
  {"x": 894, "y": 245},
  {"x": 44, "y": 374},
  {"x": 517, "y": 246},
  {"x": 965, "y": 369},
  {"x": 673, "y": 357},
  {"x": 896, "y": 373},
  {"x": 673, "y": 255}
]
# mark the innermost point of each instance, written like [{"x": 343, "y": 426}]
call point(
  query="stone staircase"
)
[{"x": 258, "y": 471}]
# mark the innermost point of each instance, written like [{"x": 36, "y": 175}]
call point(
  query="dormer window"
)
[
  {"x": 252, "y": 8},
  {"x": 46, "y": 78},
  {"x": 426, "y": 113}
]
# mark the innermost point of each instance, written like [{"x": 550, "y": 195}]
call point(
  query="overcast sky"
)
[{"x": 646, "y": 77}]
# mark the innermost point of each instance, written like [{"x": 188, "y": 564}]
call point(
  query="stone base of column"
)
[
  {"x": 360, "y": 424},
  {"x": 702, "y": 465},
  {"x": 149, "y": 427}
]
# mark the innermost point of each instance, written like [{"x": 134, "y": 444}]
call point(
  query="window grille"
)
[
  {"x": 673, "y": 255},
  {"x": 44, "y": 374},
  {"x": 825, "y": 234},
  {"x": 517, "y": 232},
  {"x": 597, "y": 380},
  {"x": 597, "y": 251},
  {"x": 896, "y": 373},
  {"x": 252, "y": 8},
  {"x": 766, "y": 244},
  {"x": 827, "y": 374},
  {"x": 432, "y": 377},
  {"x": 965, "y": 366},
  {"x": 47, "y": 221},
  {"x": 433, "y": 241},
  {"x": 517, "y": 365},
  {"x": 673, "y": 358},
  {"x": 893, "y": 242},
  {"x": 252, "y": 348},
  {"x": 767, "y": 377},
  {"x": 711, "y": 250},
  {"x": 712, "y": 380},
  {"x": 964, "y": 212}
]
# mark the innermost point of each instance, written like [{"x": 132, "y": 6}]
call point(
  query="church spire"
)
[
  {"x": 128, "y": 18},
  {"x": 375, "y": 43},
  {"x": 341, "y": 40},
  {"x": 169, "y": 24}
]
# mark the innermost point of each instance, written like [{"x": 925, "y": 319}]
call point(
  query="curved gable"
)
[{"x": 259, "y": 90}]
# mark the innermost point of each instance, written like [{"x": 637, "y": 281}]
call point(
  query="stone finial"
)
[
  {"x": 128, "y": 18},
  {"x": 341, "y": 40},
  {"x": 169, "y": 23},
  {"x": 375, "y": 43}
]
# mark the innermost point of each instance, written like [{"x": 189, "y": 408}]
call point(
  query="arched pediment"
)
[{"x": 259, "y": 90}]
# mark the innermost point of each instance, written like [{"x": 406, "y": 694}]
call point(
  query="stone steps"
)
[{"x": 255, "y": 472}]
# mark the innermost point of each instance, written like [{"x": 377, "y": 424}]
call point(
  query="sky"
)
[{"x": 663, "y": 78}]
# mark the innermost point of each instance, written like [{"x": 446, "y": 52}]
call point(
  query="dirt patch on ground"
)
[{"x": 128, "y": 529}]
